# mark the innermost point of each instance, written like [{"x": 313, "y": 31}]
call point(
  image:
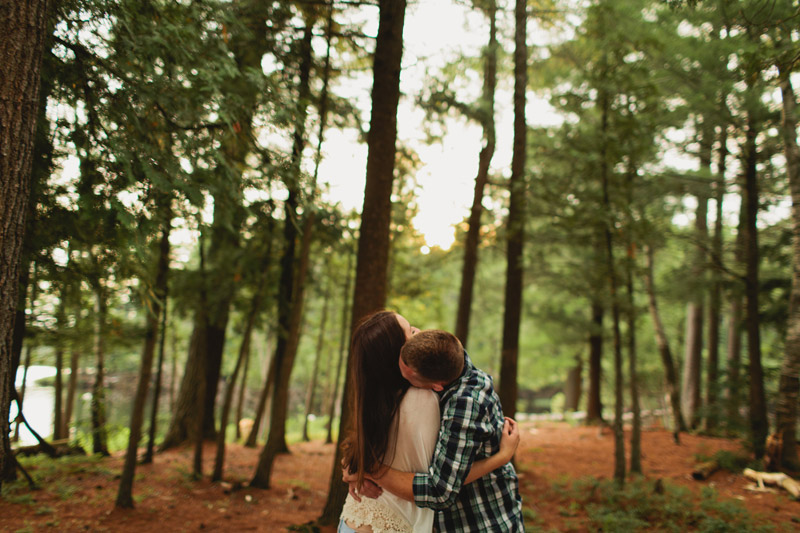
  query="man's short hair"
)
[{"x": 436, "y": 355}]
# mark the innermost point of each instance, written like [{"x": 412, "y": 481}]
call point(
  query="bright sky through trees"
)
[{"x": 436, "y": 31}]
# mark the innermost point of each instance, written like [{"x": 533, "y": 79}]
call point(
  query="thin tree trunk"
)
[
  {"x": 244, "y": 354},
  {"x": 262, "y": 407},
  {"x": 72, "y": 386},
  {"x": 99, "y": 430},
  {"x": 292, "y": 284},
  {"x": 789, "y": 384},
  {"x": 125, "y": 492},
  {"x": 630, "y": 265},
  {"x": 240, "y": 398},
  {"x": 671, "y": 377},
  {"x": 312, "y": 384},
  {"x": 758, "y": 402},
  {"x": 20, "y": 80},
  {"x": 58, "y": 393},
  {"x": 512, "y": 315},
  {"x": 156, "y": 401},
  {"x": 734, "y": 353},
  {"x": 373, "y": 244},
  {"x": 692, "y": 366},
  {"x": 484, "y": 161},
  {"x": 715, "y": 295},
  {"x": 572, "y": 388},
  {"x": 594, "y": 405},
  {"x": 196, "y": 432},
  {"x": 32, "y": 281},
  {"x": 58, "y": 386},
  {"x": 21, "y": 396},
  {"x": 343, "y": 338},
  {"x": 619, "y": 439}
]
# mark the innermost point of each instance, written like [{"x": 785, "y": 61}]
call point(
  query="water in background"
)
[{"x": 37, "y": 404}]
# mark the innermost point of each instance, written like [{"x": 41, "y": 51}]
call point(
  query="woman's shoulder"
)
[{"x": 420, "y": 397}]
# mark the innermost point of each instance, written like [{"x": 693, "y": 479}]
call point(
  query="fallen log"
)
[
  {"x": 58, "y": 448},
  {"x": 774, "y": 478},
  {"x": 704, "y": 470}
]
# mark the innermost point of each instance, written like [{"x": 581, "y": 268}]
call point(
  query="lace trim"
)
[{"x": 373, "y": 513}]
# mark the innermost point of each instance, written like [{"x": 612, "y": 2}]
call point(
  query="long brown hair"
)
[{"x": 378, "y": 386}]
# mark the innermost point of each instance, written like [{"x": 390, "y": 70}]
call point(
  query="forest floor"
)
[{"x": 78, "y": 493}]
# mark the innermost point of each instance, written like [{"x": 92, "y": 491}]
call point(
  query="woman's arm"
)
[{"x": 508, "y": 446}]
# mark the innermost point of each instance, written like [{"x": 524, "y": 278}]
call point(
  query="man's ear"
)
[{"x": 437, "y": 387}]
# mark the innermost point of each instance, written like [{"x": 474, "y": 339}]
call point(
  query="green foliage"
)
[{"x": 641, "y": 504}]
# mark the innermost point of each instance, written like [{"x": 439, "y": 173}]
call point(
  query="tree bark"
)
[
  {"x": 515, "y": 229},
  {"x": 343, "y": 343},
  {"x": 484, "y": 161},
  {"x": 619, "y": 384},
  {"x": 159, "y": 284},
  {"x": 373, "y": 244},
  {"x": 758, "y": 402},
  {"x": 630, "y": 265},
  {"x": 715, "y": 294},
  {"x": 692, "y": 366},
  {"x": 98, "y": 407},
  {"x": 789, "y": 383},
  {"x": 72, "y": 386},
  {"x": 263, "y": 406},
  {"x": 670, "y": 374},
  {"x": 292, "y": 284},
  {"x": 594, "y": 405},
  {"x": 157, "y": 385},
  {"x": 572, "y": 388},
  {"x": 21, "y": 48},
  {"x": 312, "y": 384},
  {"x": 244, "y": 355}
]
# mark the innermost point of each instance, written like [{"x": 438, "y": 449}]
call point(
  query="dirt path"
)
[{"x": 168, "y": 499}]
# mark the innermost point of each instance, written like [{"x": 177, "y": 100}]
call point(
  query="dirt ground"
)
[{"x": 168, "y": 500}]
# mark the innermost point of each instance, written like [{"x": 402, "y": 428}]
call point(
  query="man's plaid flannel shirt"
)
[{"x": 472, "y": 423}]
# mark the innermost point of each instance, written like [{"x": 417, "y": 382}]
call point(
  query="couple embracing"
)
[{"x": 429, "y": 449}]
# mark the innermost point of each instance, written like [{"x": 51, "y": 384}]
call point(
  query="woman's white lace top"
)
[{"x": 415, "y": 439}]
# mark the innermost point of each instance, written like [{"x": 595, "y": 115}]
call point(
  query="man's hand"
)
[
  {"x": 510, "y": 438},
  {"x": 369, "y": 488}
]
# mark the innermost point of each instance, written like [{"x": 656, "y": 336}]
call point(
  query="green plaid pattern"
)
[{"x": 472, "y": 423}]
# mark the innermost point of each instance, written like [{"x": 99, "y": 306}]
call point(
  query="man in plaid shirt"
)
[{"x": 472, "y": 423}]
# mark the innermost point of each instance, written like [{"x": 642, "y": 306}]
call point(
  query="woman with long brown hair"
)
[{"x": 393, "y": 424}]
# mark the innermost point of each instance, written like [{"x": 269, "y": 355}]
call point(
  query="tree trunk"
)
[
  {"x": 594, "y": 405},
  {"x": 789, "y": 384},
  {"x": 156, "y": 401},
  {"x": 262, "y": 407},
  {"x": 291, "y": 290},
  {"x": 125, "y": 492},
  {"x": 515, "y": 228},
  {"x": 58, "y": 393},
  {"x": 715, "y": 294},
  {"x": 690, "y": 395},
  {"x": 312, "y": 384},
  {"x": 619, "y": 384},
  {"x": 670, "y": 374},
  {"x": 343, "y": 343},
  {"x": 98, "y": 408},
  {"x": 240, "y": 398},
  {"x": 21, "y": 48},
  {"x": 572, "y": 388},
  {"x": 484, "y": 161},
  {"x": 758, "y": 402},
  {"x": 26, "y": 279},
  {"x": 636, "y": 430},
  {"x": 734, "y": 353},
  {"x": 373, "y": 244},
  {"x": 244, "y": 355},
  {"x": 72, "y": 386}
]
